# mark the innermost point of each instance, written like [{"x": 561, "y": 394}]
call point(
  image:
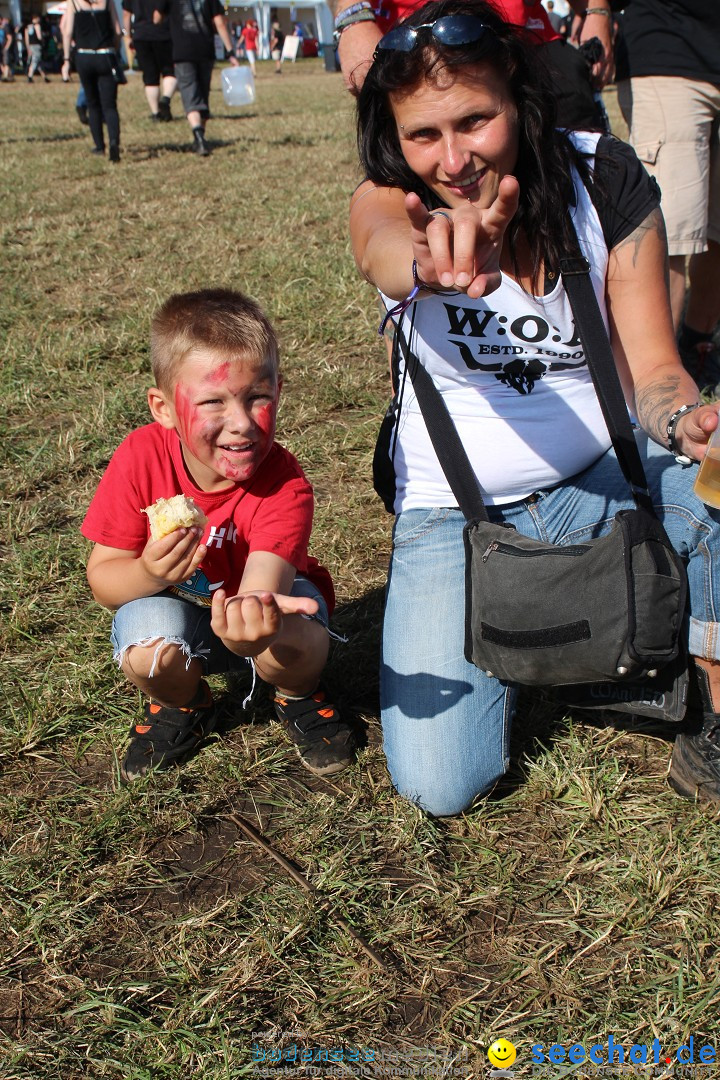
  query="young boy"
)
[{"x": 249, "y": 593}]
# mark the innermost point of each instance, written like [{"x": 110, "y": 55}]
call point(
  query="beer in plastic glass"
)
[{"x": 707, "y": 481}]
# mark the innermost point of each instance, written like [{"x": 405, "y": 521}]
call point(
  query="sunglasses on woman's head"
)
[{"x": 452, "y": 30}]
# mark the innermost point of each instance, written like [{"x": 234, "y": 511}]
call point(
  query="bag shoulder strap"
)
[
  {"x": 443, "y": 435},
  {"x": 601, "y": 365}
]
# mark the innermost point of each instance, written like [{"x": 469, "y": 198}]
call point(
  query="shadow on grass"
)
[
  {"x": 144, "y": 152},
  {"x": 55, "y": 138},
  {"x": 238, "y": 116},
  {"x": 354, "y": 665}
]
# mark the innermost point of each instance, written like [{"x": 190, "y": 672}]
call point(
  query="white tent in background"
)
[{"x": 317, "y": 16}]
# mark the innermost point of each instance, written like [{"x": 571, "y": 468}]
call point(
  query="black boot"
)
[
  {"x": 695, "y": 763},
  {"x": 201, "y": 146},
  {"x": 82, "y": 112},
  {"x": 114, "y": 153},
  {"x": 164, "y": 109}
]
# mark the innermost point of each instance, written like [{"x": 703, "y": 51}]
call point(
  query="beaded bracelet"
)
[
  {"x": 401, "y": 307},
  {"x": 599, "y": 11},
  {"x": 363, "y": 5},
  {"x": 672, "y": 423},
  {"x": 416, "y": 279},
  {"x": 358, "y": 17}
]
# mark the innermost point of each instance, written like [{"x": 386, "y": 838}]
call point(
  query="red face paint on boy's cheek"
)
[
  {"x": 188, "y": 417},
  {"x": 265, "y": 419}
]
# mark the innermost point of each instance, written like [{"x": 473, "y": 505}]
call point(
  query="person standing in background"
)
[
  {"x": 153, "y": 49},
  {"x": 7, "y": 38},
  {"x": 668, "y": 75},
  {"x": 277, "y": 40},
  {"x": 193, "y": 25},
  {"x": 95, "y": 29},
  {"x": 556, "y": 21},
  {"x": 34, "y": 38},
  {"x": 249, "y": 41}
]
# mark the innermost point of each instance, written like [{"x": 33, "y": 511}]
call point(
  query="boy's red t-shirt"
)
[{"x": 272, "y": 511}]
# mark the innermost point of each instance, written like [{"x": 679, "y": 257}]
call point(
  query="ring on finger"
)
[{"x": 440, "y": 213}]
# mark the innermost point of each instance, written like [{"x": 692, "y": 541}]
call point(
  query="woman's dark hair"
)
[{"x": 545, "y": 154}]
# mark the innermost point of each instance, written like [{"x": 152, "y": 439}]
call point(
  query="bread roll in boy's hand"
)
[{"x": 167, "y": 515}]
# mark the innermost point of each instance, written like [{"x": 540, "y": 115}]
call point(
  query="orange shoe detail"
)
[
  {"x": 142, "y": 729},
  {"x": 327, "y": 713},
  {"x": 155, "y": 708}
]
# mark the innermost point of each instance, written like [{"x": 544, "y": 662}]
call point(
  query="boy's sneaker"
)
[
  {"x": 167, "y": 736},
  {"x": 325, "y": 744},
  {"x": 695, "y": 763}
]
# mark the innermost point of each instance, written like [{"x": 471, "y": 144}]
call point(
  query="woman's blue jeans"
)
[{"x": 445, "y": 723}]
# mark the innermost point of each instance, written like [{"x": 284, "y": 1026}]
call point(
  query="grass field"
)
[{"x": 142, "y": 933}]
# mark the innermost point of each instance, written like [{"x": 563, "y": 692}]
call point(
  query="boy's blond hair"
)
[{"x": 225, "y": 321}]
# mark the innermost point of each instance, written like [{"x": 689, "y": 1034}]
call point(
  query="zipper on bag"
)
[{"x": 507, "y": 549}]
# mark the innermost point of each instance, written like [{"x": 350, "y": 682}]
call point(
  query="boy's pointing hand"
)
[{"x": 250, "y": 622}]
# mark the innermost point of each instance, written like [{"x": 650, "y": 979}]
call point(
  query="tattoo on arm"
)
[
  {"x": 653, "y": 223},
  {"x": 655, "y": 404}
]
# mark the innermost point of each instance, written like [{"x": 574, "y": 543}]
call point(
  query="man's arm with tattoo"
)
[{"x": 655, "y": 404}]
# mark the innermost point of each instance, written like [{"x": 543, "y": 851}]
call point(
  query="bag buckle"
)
[{"x": 577, "y": 264}]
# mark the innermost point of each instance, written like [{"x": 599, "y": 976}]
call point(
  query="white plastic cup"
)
[
  {"x": 707, "y": 481},
  {"x": 238, "y": 86}
]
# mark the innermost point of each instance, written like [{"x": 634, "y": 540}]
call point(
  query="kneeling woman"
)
[{"x": 471, "y": 190}]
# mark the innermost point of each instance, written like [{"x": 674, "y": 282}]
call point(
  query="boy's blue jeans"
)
[
  {"x": 445, "y": 723},
  {"x": 168, "y": 619}
]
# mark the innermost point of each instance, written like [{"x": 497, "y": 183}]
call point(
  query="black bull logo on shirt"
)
[{"x": 526, "y": 366}]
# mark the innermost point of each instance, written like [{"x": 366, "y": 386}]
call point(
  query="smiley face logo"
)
[{"x": 502, "y": 1054}]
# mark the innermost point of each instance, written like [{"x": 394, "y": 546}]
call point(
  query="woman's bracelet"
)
[
  {"x": 599, "y": 11},
  {"x": 363, "y": 5},
  {"x": 672, "y": 423},
  {"x": 359, "y": 16},
  {"x": 417, "y": 283},
  {"x": 401, "y": 307}
]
